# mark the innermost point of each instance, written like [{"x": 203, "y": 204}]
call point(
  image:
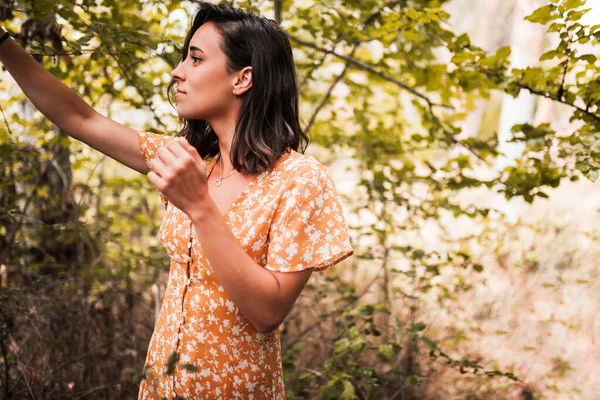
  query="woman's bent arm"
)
[
  {"x": 264, "y": 297},
  {"x": 69, "y": 111}
]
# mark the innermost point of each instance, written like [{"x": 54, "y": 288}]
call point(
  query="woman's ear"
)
[{"x": 243, "y": 81}]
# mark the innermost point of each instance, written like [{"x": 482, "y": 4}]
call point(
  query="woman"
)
[{"x": 248, "y": 217}]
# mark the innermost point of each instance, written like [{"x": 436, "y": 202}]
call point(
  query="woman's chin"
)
[
  {"x": 186, "y": 114},
  {"x": 182, "y": 113}
]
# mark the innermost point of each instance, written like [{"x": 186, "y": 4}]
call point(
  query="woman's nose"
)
[{"x": 177, "y": 72}]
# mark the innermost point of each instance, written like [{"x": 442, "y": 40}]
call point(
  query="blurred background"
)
[{"x": 463, "y": 135}]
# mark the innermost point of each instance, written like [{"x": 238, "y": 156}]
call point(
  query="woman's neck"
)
[{"x": 224, "y": 128}]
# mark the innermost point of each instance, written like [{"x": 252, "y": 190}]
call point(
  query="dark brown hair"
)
[{"x": 268, "y": 124}]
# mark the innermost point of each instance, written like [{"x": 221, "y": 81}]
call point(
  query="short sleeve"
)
[
  {"x": 149, "y": 145},
  {"x": 308, "y": 229}
]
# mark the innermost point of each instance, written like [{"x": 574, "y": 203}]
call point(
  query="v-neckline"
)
[
  {"x": 209, "y": 168},
  {"x": 242, "y": 194}
]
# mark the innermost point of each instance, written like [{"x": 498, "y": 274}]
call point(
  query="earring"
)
[{"x": 235, "y": 93}]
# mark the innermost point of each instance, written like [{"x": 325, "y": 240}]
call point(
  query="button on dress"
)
[{"x": 287, "y": 219}]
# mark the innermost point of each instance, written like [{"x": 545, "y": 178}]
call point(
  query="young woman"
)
[{"x": 248, "y": 217}]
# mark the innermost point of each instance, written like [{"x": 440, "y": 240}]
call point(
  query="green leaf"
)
[
  {"x": 44, "y": 6},
  {"x": 591, "y": 174},
  {"x": 570, "y": 4},
  {"x": 588, "y": 57},
  {"x": 386, "y": 351},
  {"x": 306, "y": 375},
  {"x": 462, "y": 41},
  {"x": 349, "y": 392},
  {"x": 418, "y": 326},
  {"x": 171, "y": 363},
  {"x": 429, "y": 343},
  {"x": 478, "y": 267},
  {"x": 137, "y": 378},
  {"x": 418, "y": 254},
  {"x": 576, "y": 15},
  {"x": 414, "y": 380},
  {"x": 503, "y": 52},
  {"x": 543, "y": 15},
  {"x": 341, "y": 346},
  {"x": 548, "y": 55},
  {"x": 190, "y": 367},
  {"x": 412, "y": 13}
]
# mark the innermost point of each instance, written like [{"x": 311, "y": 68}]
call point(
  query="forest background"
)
[{"x": 463, "y": 135}]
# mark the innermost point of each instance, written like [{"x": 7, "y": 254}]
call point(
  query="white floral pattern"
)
[{"x": 287, "y": 219}]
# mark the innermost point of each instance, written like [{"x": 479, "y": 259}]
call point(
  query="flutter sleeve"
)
[
  {"x": 308, "y": 228},
  {"x": 149, "y": 145}
]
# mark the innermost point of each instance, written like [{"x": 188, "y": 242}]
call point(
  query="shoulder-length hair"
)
[{"x": 268, "y": 124}]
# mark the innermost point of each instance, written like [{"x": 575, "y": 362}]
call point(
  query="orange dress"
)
[{"x": 287, "y": 219}]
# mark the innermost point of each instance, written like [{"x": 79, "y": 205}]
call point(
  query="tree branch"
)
[
  {"x": 277, "y": 9},
  {"x": 5, "y": 121},
  {"x": 369, "y": 20},
  {"x": 15, "y": 350},
  {"x": 551, "y": 97},
  {"x": 328, "y": 94},
  {"x": 13, "y": 233},
  {"x": 369, "y": 68}
]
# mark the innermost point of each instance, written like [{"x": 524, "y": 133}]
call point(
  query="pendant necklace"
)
[{"x": 219, "y": 181}]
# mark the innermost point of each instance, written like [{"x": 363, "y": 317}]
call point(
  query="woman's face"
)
[{"x": 204, "y": 78}]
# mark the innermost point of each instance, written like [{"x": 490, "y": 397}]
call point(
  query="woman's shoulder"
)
[
  {"x": 301, "y": 170},
  {"x": 301, "y": 163}
]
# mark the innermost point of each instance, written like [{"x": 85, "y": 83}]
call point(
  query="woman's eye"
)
[{"x": 194, "y": 59}]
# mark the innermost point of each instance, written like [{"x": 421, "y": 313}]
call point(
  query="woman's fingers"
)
[
  {"x": 157, "y": 181},
  {"x": 167, "y": 156},
  {"x": 176, "y": 147},
  {"x": 190, "y": 149},
  {"x": 159, "y": 166}
]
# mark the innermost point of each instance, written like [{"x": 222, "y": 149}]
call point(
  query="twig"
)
[
  {"x": 324, "y": 316},
  {"x": 13, "y": 234},
  {"x": 87, "y": 182},
  {"x": 313, "y": 371},
  {"x": 15, "y": 351},
  {"x": 6, "y": 369},
  {"x": 277, "y": 6},
  {"x": 5, "y": 121},
  {"x": 370, "y": 19},
  {"x": 551, "y": 97},
  {"x": 102, "y": 387},
  {"x": 364, "y": 66},
  {"x": 359, "y": 391},
  {"x": 329, "y": 91},
  {"x": 129, "y": 79},
  {"x": 369, "y": 68},
  {"x": 81, "y": 357}
]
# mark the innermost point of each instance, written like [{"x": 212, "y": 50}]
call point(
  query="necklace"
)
[{"x": 219, "y": 181}]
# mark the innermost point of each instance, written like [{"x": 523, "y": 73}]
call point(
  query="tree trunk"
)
[
  {"x": 527, "y": 40},
  {"x": 527, "y": 44}
]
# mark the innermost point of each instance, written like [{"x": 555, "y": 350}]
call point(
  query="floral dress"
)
[{"x": 287, "y": 219}]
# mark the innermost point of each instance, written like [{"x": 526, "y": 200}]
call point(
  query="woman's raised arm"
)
[{"x": 69, "y": 111}]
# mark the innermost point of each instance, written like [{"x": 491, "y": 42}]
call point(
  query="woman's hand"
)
[{"x": 180, "y": 175}]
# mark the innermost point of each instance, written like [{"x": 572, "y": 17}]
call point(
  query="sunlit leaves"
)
[{"x": 544, "y": 14}]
